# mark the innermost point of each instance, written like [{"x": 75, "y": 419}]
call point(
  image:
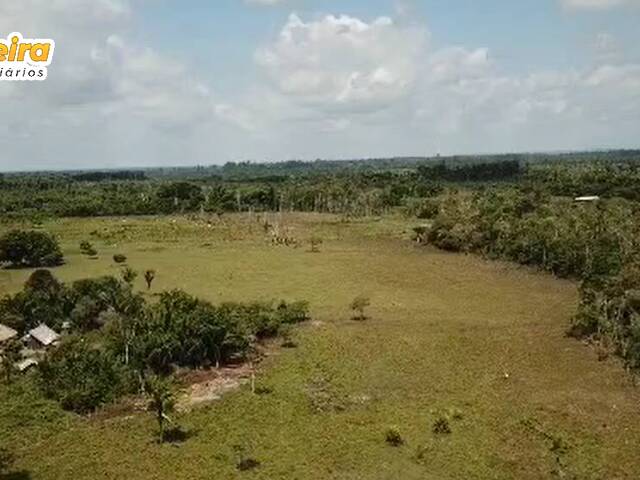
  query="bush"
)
[
  {"x": 358, "y": 306},
  {"x": 441, "y": 426},
  {"x": 393, "y": 437},
  {"x": 88, "y": 249},
  {"x": 30, "y": 249},
  {"x": 119, "y": 258}
]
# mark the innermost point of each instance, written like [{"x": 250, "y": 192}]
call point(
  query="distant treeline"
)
[
  {"x": 353, "y": 191},
  {"x": 109, "y": 176},
  {"x": 474, "y": 172},
  {"x": 248, "y": 170}
]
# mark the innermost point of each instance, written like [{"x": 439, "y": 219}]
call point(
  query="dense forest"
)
[{"x": 354, "y": 188}]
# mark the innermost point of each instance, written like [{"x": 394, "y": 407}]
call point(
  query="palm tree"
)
[
  {"x": 149, "y": 276},
  {"x": 161, "y": 401}
]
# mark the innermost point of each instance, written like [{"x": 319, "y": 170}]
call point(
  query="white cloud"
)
[
  {"x": 341, "y": 62},
  {"x": 101, "y": 89}
]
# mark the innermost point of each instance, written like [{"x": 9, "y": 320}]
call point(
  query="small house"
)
[
  {"x": 6, "y": 334},
  {"x": 42, "y": 337},
  {"x": 588, "y": 198},
  {"x": 26, "y": 364}
]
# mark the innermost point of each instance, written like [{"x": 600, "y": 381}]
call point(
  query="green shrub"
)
[
  {"x": 441, "y": 426},
  {"x": 88, "y": 249},
  {"x": 119, "y": 258},
  {"x": 393, "y": 437}
]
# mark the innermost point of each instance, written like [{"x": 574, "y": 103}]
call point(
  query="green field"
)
[{"x": 481, "y": 343}]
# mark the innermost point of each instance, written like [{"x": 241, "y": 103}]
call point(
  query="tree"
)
[
  {"x": 44, "y": 281},
  {"x": 149, "y": 276},
  {"x": 161, "y": 402},
  {"x": 30, "y": 249},
  {"x": 129, "y": 275},
  {"x": 82, "y": 377},
  {"x": 10, "y": 356},
  {"x": 358, "y": 306}
]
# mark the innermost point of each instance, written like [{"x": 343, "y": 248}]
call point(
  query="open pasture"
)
[{"x": 450, "y": 339}]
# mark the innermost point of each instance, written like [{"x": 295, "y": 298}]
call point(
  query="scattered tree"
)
[
  {"x": 161, "y": 402},
  {"x": 149, "y": 276},
  {"x": 358, "y": 306}
]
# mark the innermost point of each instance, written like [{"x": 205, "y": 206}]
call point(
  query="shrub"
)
[
  {"x": 441, "y": 426},
  {"x": 88, "y": 249},
  {"x": 30, "y": 249},
  {"x": 119, "y": 258},
  {"x": 358, "y": 306},
  {"x": 393, "y": 437}
]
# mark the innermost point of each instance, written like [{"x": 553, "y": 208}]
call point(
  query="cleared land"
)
[{"x": 448, "y": 335}]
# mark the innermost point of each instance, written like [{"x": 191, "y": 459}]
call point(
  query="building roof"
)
[
  {"x": 44, "y": 335},
  {"x": 26, "y": 364},
  {"x": 589, "y": 198},
  {"x": 6, "y": 333}
]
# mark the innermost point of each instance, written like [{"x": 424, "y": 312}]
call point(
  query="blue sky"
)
[{"x": 162, "y": 82}]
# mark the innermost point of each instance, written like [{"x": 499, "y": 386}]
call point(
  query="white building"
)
[{"x": 42, "y": 337}]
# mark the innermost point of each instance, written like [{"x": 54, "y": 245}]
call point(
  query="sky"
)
[{"x": 139, "y": 83}]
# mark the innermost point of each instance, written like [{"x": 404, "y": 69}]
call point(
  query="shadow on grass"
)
[
  {"x": 20, "y": 475},
  {"x": 176, "y": 435}
]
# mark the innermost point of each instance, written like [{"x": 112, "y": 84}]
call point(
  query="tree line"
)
[{"x": 596, "y": 242}]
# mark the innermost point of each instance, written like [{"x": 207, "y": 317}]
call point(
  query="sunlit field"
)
[{"x": 479, "y": 346}]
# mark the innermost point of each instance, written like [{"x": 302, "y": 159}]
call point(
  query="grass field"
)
[{"x": 480, "y": 343}]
